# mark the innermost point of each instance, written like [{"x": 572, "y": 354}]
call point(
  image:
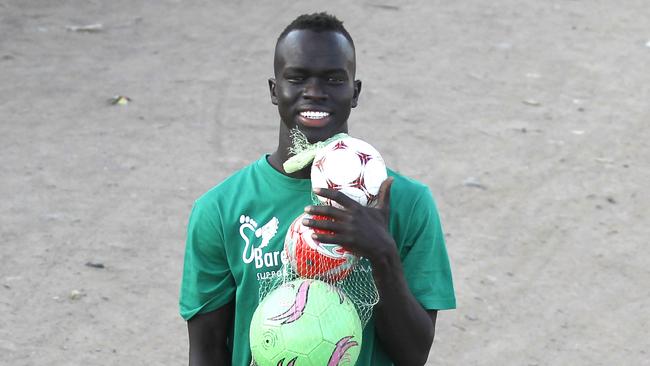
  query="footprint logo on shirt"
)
[{"x": 265, "y": 233}]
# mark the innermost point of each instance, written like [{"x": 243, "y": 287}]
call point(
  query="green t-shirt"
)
[{"x": 235, "y": 238}]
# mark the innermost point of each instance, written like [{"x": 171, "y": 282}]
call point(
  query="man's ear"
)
[
  {"x": 357, "y": 91},
  {"x": 274, "y": 96}
]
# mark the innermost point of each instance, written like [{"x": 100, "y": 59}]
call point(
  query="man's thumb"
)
[{"x": 383, "y": 197}]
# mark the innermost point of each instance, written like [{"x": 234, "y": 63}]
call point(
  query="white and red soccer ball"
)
[
  {"x": 310, "y": 258},
  {"x": 351, "y": 166}
]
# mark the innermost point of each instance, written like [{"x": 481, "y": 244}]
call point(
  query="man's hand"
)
[
  {"x": 403, "y": 327},
  {"x": 361, "y": 230}
]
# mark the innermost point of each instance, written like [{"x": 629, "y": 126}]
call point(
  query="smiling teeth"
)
[{"x": 314, "y": 114}]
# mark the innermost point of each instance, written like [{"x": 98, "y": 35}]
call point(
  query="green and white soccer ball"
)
[{"x": 305, "y": 322}]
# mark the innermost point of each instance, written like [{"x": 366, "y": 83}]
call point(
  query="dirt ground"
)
[{"x": 529, "y": 120}]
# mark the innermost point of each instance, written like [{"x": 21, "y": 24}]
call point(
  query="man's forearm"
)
[
  {"x": 208, "y": 336},
  {"x": 405, "y": 329}
]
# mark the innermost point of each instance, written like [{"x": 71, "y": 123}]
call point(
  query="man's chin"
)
[
  {"x": 317, "y": 134},
  {"x": 315, "y": 122}
]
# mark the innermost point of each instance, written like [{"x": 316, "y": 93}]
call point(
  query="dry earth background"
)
[{"x": 529, "y": 120}]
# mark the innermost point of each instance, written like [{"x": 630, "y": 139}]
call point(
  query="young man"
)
[{"x": 236, "y": 230}]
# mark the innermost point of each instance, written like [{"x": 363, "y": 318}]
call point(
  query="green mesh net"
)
[{"x": 332, "y": 264}]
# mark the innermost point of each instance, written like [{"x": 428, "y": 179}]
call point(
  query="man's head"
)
[
  {"x": 317, "y": 22},
  {"x": 314, "y": 86}
]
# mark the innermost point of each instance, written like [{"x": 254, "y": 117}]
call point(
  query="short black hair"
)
[{"x": 317, "y": 22}]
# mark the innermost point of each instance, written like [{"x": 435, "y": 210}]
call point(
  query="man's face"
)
[{"x": 314, "y": 86}]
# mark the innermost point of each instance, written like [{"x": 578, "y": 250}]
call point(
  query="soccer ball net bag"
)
[{"x": 312, "y": 312}]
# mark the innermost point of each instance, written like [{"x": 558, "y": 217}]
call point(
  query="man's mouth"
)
[
  {"x": 314, "y": 118},
  {"x": 314, "y": 114}
]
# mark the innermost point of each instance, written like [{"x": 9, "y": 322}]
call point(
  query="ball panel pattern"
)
[
  {"x": 318, "y": 327},
  {"x": 351, "y": 166},
  {"x": 310, "y": 258}
]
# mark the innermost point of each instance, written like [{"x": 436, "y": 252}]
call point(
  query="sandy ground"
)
[{"x": 529, "y": 120}]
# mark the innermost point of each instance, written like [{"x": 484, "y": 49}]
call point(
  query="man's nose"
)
[{"x": 314, "y": 90}]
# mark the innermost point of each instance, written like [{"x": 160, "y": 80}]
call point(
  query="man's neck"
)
[
  {"x": 281, "y": 154},
  {"x": 277, "y": 159}
]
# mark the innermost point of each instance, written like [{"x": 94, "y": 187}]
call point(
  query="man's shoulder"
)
[
  {"x": 403, "y": 184},
  {"x": 227, "y": 187},
  {"x": 409, "y": 195}
]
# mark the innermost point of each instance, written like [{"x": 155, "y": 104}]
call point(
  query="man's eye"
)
[
  {"x": 295, "y": 78},
  {"x": 335, "y": 80}
]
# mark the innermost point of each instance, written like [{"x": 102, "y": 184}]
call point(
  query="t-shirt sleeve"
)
[
  {"x": 207, "y": 282},
  {"x": 425, "y": 261}
]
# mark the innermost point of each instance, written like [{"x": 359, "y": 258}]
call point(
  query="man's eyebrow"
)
[{"x": 295, "y": 69}]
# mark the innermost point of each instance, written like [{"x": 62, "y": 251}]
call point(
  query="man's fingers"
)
[
  {"x": 336, "y": 196},
  {"x": 325, "y": 210},
  {"x": 323, "y": 224}
]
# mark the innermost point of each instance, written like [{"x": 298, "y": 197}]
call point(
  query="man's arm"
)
[
  {"x": 208, "y": 334},
  {"x": 404, "y": 327}
]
